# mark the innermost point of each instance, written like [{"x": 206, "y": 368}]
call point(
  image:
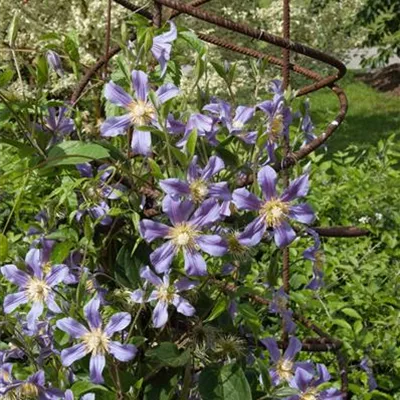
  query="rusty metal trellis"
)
[{"x": 313, "y": 344}]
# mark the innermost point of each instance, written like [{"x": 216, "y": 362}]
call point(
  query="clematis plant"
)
[
  {"x": 315, "y": 254},
  {"x": 284, "y": 366},
  {"x": 54, "y": 62},
  {"x": 96, "y": 340},
  {"x": 185, "y": 235},
  {"x": 140, "y": 111},
  {"x": 165, "y": 294},
  {"x": 162, "y": 46},
  {"x": 279, "y": 305},
  {"x": 57, "y": 125},
  {"x": 234, "y": 122},
  {"x": 35, "y": 286},
  {"x": 274, "y": 211},
  {"x": 198, "y": 185},
  {"x": 279, "y": 118},
  {"x": 308, "y": 385},
  {"x": 32, "y": 387},
  {"x": 204, "y": 125}
]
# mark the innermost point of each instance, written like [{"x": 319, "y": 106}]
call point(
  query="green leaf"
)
[
  {"x": 219, "y": 307},
  {"x": 42, "y": 71},
  {"x": 60, "y": 252},
  {"x": 167, "y": 354},
  {"x": 229, "y": 157},
  {"x": 75, "y": 152},
  {"x": 162, "y": 386},
  {"x": 284, "y": 392},
  {"x": 13, "y": 30},
  {"x": 191, "y": 38},
  {"x": 191, "y": 144},
  {"x": 6, "y": 77},
  {"x": 64, "y": 233},
  {"x": 179, "y": 156},
  {"x": 265, "y": 377},
  {"x": 224, "y": 383},
  {"x": 3, "y": 247},
  {"x": 273, "y": 270},
  {"x": 351, "y": 313},
  {"x": 81, "y": 387},
  {"x": 247, "y": 312},
  {"x": 71, "y": 48},
  {"x": 219, "y": 69},
  {"x": 342, "y": 323},
  {"x": 155, "y": 169},
  {"x": 199, "y": 70}
]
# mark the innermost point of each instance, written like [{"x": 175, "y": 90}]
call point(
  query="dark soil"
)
[{"x": 385, "y": 79}]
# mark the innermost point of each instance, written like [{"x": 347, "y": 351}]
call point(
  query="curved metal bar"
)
[
  {"x": 258, "y": 34},
  {"x": 341, "y": 231},
  {"x": 321, "y": 82}
]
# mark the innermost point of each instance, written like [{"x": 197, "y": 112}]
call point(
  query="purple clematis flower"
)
[
  {"x": 5, "y": 375},
  {"x": 140, "y": 111},
  {"x": 284, "y": 366},
  {"x": 371, "y": 379},
  {"x": 54, "y": 62},
  {"x": 235, "y": 123},
  {"x": 104, "y": 189},
  {"x": 42, "y": 220},
  {"x": 31, "y": 388},
  {"x": 96, "y": 340},
  {"x": 12, "y": 353},
  {"x": 175, "y": 126},
  {"x": 162, "y": 46},
  {"x": 57, "y": 124},
  {"x": 275, "y": 210},
  {"x": 198, "y": 186},
  {"x": 165, "y": 294},
  {"x": 184, "y": 235},
  {"x": 35, "y": 287},
  {"x": 307, "y": 384},
  {"x": 205, "y": 126},
  {"x": 97, "y": 212},
  {"x": 279, "y": 305},
  {"x": 70, "y": 396},
  {"x": 279, "y": 118},
  {"x": 306, "y": 125},
  {"x": 315, "y": 254}
]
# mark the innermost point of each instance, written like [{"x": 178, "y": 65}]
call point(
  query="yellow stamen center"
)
[
  {"x": 235, "y": 247},
  {"x": 274, "y": 211},
  {"x": 199, "y": 190},
  {"x": 276, "y": 127},
  {"x": 96, "y": 342},
  {"x": 183, "y": 235},
  {"x": 29, "y": 390},
  {"x": 311, "y": 394},
  {"x": 46, "y": 267},
  {"x": 90, "y": 286},
  {"x": 166, "y": 293},
  {"x": 281, "y": 302},
  {"x": 284, "y": 369},
  {"x": 141, "y": 113},
  {"x": 37, "y": 290},
  {"x": 319, "y": 259},
  {"x": 5, "y": 376},
  {"x": 238, "y": 124}
]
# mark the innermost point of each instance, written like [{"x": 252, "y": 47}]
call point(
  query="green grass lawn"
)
[{"x": 371, "y": 115}]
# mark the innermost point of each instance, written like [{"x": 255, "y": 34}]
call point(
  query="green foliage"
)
[
  {"x": 382, "y": 20},
  {"x": 223, "y": 383}
]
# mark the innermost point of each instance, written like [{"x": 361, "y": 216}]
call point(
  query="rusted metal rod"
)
[{"x": 258, "y": 34}]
